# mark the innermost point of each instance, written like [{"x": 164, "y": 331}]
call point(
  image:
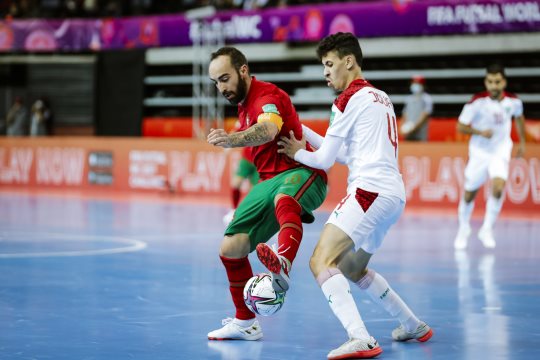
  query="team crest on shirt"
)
[{"x": 270, "y": 108}]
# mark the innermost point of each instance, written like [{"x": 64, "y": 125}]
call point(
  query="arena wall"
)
[{"x": 433, "y": 172}]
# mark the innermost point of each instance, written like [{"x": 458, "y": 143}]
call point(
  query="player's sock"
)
[
  {"x": 493, "y": 208},
  {"x": 235, "y": 198},
  {"x": 288, "y": 212},
  {"x": 464, "y": 212},
  {"x": 337, "y": 291},
  {"x": 239, "y": 272},
  {"x": 381, "y": 293}
]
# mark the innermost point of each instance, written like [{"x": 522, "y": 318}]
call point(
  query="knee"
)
[
  {"x": 497, "y": 192},
  {"x": 356, "y": 274},
  {"x": 318, "y": 262},
  {"x": 234, "y": 247},
  {"x": 469, "y": 196}
]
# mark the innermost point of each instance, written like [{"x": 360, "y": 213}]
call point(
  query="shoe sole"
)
[
  {"x": 366, "y": 354},
  {"x": 270, "y": 260},
  {"x": 426, "y": 337},
  {"x": 239, "y": 339}
]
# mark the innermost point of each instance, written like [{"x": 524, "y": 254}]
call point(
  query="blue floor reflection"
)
[{"x": 141, "y": 279}]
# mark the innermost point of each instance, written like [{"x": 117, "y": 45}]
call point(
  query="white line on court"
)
[{"x": 132, "y": 244}]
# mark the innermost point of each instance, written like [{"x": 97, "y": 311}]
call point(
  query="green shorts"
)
[
  {"x": 256, "y": 214},
  {"x": 247, "y": 170}
]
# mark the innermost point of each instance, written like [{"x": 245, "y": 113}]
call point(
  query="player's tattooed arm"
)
[{"x": 257, "y": 134}]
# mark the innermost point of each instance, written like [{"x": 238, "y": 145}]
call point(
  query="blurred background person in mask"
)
[
  {"x": 17, "y": 119},
  {"x": 40, "y": 120},
  {"x": 416, "y": 112}
]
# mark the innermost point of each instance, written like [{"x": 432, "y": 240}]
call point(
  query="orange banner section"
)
[
  {"x": 433, "y": 172},
  {"x": 440, "y": 129}
]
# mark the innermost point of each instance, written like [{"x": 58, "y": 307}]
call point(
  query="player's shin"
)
[
  {"x": 337, "y": 291},
  {"x": 238, "y": 272},
  {"x": 493, "y": 208},
  {"x": 381, "y": 293},
  {"x": 288, "y": 212}
]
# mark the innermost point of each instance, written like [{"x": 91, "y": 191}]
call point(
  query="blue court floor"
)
[{"x": 84, "y": 278}]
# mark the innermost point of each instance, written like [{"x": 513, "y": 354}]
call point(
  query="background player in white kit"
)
[
  {"x": 488, "y": 117},
  {"x": 363, "y": 131}
]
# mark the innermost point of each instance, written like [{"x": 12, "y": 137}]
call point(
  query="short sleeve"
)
[
  {"x": 468, "y": 114},
  {"x": 341, "y": 123}
]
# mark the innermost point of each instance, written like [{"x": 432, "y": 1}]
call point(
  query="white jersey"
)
[
  {"x": 364, "y": 117},
  {"x": 484, "y": 113}
]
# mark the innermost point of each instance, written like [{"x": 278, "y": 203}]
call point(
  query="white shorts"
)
[
  {"x": 482, "y": 164},
  {"x": 368, "y": 227}
]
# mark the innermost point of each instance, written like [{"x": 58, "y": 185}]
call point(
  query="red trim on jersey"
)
[
  {"x": 343, "y": 99},
  {"x": 479, "y": 95},
  {"x": 510, "y": 95},
  {"x": 485, "y": 94}
]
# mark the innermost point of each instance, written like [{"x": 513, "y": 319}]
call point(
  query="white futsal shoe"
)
[
  {"x": 422, "y": 333},
  {"x": 278, "y": 265},
  {"x": 356, "y": 349},
  {"x": 464, "y": 231},
  {"x": 486, "y": 237},
  {"x": 232, "y": 331}
]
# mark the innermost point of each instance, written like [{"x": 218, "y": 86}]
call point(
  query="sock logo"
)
[
  {"x": 330, "y": 299},
  {"x": 384, "y": 293}
]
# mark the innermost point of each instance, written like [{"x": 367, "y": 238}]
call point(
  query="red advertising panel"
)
[{"x": 432, "y": 172}]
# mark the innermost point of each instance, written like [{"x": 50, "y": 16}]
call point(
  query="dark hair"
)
[
  {"x": 495, "y": 69},
  {"x": 237, "y": 58},
  {"x": 343, "y": 43}
]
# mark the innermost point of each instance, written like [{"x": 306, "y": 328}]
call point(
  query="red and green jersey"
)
[{"x": 264, "y": 100}]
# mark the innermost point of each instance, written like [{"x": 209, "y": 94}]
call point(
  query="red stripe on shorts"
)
[
  {"x": 365, "y": 198},
  {"x": 304, "y": 187}
]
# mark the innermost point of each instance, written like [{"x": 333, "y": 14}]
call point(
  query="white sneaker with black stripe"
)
[
  {"x": 356, "y": 349},
  {"x": 422, "y": 333},
  {"x": 233, "y": 331}
]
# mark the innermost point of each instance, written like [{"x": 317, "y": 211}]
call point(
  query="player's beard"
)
[
  {"x": 495, "y": 94},
  {"x": 240, "y": 93}
]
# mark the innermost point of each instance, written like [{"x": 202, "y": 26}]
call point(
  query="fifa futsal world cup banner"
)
[
  {"x": 290, "y": 24},
  {"x": 193, "y": 169}
]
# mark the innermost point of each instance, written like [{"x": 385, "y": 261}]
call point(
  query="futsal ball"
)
[{"x": 260, "y": 297}]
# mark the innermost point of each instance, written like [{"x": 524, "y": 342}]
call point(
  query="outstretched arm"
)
[
  {"x": 316, "y": 141},
  {"x": 258, "y": 134},
  {"x": 323, "y": 158}
]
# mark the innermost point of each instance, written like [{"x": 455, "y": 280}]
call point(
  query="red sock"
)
[
  {"x": 288, "y": 212},
  {"x": 239, "y": 272},
  {"x": 235, "y": 198}
]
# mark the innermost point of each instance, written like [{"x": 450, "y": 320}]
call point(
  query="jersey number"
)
[{"x": 392, "y": 132}]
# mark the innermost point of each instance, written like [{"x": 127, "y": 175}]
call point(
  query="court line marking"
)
[{"x": 133, "y": 245}]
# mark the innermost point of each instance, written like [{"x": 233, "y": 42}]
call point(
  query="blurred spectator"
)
[
  {"x": 17, "y": 119},
  {"x": 116, "y": 8},
  {"x": 417, "y": 110},
  {"x": 40, "y": 119}
]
